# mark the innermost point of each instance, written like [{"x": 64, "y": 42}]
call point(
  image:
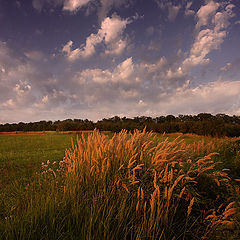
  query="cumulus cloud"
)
[
  {"x": 95, "y": 75},
  {"x": 110, "y": 34},
  {"x": 126, "y": 86},
  {"x": 156, "y": 88},
  {"x": 209, "y": 38},
  {"x": 205, "y": 13},
  {"x": 122, "y": 73}
]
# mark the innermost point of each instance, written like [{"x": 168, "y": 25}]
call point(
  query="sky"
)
[{"x": 96, "y": 59}]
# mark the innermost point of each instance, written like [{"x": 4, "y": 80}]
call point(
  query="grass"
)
[
  {"x": 20, "y": 155},
  {"x": 126, "y": 186}
]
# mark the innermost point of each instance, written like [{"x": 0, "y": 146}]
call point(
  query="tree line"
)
[{"x": 201, "y": 124}]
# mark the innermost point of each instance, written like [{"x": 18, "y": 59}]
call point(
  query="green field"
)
[
  {"x": 21, "y": 155},
  {"x": 21, "y": 158}
]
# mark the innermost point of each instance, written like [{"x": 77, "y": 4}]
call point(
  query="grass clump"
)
[{"x": 129, "y": 186}]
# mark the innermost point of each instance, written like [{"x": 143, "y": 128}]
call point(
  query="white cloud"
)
[
  {"x": 34, "y": 55},
  {"x": 178, "y": 73},
  {"x": 67, "y": 48},
  {"x": 210, "y": 38},
  {"x": 122, "y": 73},
  {"x": 112, "y": 28},
  {"x": 206, "y": 12},
  {"x": 45, "y": 99},
  {"x": 116, "y": 48},
  {"x": 74, "y": 5},
  {"x": 9, "y": 103},
  {"x": 102, "y": 6},
  {"x": 110, "y": 34},
  {"x": 160, "y": 65},
  {"x": 214, "y": 97},
  {"x": 95, "y": 75},
  {"x": 206, "y": 41},
  {"x": 22, "y": 88},
  {"x": 227, "y": 67}
]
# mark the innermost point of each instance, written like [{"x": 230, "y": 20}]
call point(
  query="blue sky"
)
[{"x": 100, "y": 58}]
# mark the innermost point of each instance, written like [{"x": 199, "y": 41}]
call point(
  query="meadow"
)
[{"x": 119, "y": 186}]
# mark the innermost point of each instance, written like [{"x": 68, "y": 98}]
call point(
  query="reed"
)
[{"x": 129, "y": 186}]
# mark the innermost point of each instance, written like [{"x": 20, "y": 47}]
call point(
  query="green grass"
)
[
  {"x": 88, "y": 208},
  {"x": 21, "y": 155}
]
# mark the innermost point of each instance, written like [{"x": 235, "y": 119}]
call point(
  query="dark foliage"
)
[{"x": 201, "y": 124}]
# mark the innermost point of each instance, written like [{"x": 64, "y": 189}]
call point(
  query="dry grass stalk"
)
[{"x": 190, "y": 206}]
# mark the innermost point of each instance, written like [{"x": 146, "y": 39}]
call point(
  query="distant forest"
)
[{"x": 201, "y": 124}]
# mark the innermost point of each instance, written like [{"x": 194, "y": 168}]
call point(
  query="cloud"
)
[
  {"x": 173, "y": 8},
  {"x": 156, "y": 88},
  {"x": 122, "y": 73},
  {"x": 173, "y": 11},
  {"x": 110, "y": 34},
  {"x": 209, "y": 38},
  {"x": 31, "y": 90},
  {"x": 37, "y": 4},
  {"x": 74, "y": 5},
  {"x": 231, "y": 68},
  {"x": 95, "y": 75},
  {"x": 215, "y": 97},
  {"x": 67, "y": 5},
  {"x": 8, "y": 104},
  {"x": 22, "y": 88},
  {"x": 34, "y": 55},
  {"x": 107, "y": 5},
  {"x": 205, "y": 13},
  {"x": 188, "y": 11},
  {"x": 116, "y": 48},
  {"x": 102, "y": 7},
  {"x": 227, "y": 67}
]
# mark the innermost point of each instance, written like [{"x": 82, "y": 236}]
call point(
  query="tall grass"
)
[{"x": 129, "y": 186}]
